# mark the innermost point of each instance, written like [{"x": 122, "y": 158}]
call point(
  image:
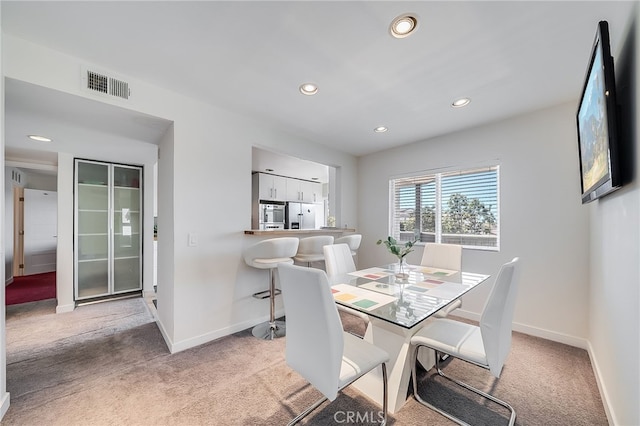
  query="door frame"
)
[{"x": 18, "y": 231}]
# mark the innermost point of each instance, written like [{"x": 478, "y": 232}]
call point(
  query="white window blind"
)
[{"x": 458, "y": 207}]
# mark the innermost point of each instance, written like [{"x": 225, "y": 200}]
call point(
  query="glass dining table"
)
[{"x": 398, "y": 305}]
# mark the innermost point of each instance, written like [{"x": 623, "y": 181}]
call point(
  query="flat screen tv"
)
[{"x": 597, "y": 122}]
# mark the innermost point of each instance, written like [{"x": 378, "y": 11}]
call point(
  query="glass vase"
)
[{"x": 402, "y": 274}]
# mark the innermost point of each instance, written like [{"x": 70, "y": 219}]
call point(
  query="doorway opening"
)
[{"x": 31, "y": 240}]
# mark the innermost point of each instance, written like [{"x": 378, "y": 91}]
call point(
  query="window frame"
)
[{"x": 436, "y": 176}]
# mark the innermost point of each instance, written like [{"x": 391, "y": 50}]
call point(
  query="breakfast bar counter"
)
[{"x": 299, "y": 232}]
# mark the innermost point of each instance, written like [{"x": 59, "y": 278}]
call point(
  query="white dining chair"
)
[
  {"x": 353, "y": 241},
  {"x": 443, "y": 256},
  {"x": 310, "y": 249},
  {"x": 316, "y": 345},
  {"x": 486, "y": 345},
  {"x": 339, "y": 261}
]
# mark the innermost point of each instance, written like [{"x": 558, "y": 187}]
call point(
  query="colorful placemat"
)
[
  {"x": 437, "y": 272},
  {"x": 380, "y": 287},
  {"x": 372, "y": 273},
  {"x": 359, "y": 297}
]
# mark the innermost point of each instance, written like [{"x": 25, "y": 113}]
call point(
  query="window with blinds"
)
[{"x": 458, "y": 207}]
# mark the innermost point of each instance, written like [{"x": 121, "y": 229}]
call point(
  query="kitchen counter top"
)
[{"x": 294, "y": 232}]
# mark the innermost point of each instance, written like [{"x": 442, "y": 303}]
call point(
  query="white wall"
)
[
  {"x": 165, "y": 210},
  {"x": 4, "y": 395},
  {"x": 8, "y": 219},
  {"x": 541, "y": 217},
  {"x": 44, "y": 182},
  {"x": 614, "y": 320},
  {"x": 204, "y": 176},
  {"x": 64, "y": 253},
  {"x": 212, "y": 295},
  {"x": 581, "y": 271}
]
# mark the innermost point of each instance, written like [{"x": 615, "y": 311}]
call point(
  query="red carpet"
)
[{"x": 30, "y": 288}]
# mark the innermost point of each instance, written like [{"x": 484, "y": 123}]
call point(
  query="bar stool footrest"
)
[{"x": 266, "y": 294}]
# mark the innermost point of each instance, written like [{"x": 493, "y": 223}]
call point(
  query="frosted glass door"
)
[
  {"x": 126, "y": 229},
  {"x": 92, "y": 230},
  {"x": 108, "y": 249}
]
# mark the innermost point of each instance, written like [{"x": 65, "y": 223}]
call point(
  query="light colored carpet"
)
[{"x": 107, "y": 364}]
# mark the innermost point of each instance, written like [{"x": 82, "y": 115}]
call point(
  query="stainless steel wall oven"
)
[{"x": 272, "y": 215}]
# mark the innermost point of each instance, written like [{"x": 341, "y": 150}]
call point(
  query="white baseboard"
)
[
  {"x": 533, "y": 331},
  {"x": 217, "y": 334},
  {"x": 165, "y": 335},
  {"x": 183, "y": 345},
  {"x": 8, "y": 281},
  {"x": 551, "y": 335},
  {"x": 61, "y": 309},
  {"x": 4, "y": 405},
  {"x": 601, "y": 387},
  {"x": 567, "y": 340}
]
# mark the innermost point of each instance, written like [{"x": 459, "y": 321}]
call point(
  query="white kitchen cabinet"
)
[
  {"x": 312, "y": 192},
  {"x": 271, "y": 187},
  {"x": 107, "y": 233},
  {"x": 303, "y": 191}
]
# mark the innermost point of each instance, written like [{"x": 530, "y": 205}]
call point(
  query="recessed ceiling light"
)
[
  {"x": 403, "y": 26},
  {"x": 314, "y": 178},
  {"x": 39, "y": 138},
  {"x": 268, "y": 170},
  {"x": 380, "y": 129},
  {"x": 308, "y": 89},
  {"x": 459, "y": 103}
]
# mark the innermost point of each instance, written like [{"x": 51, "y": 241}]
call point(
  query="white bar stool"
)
[
  {"x": 310, "y": 249},
  {"x": 267, "y": 254}
]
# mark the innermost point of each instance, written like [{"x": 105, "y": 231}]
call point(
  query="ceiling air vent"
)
[{"x": 107, "y": 85}]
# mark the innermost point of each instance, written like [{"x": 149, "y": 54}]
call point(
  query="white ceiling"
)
[
  {"x": 509, "y": 57},
  {"x": 38, "y": 110}
]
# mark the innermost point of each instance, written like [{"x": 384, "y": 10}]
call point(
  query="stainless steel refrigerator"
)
[{"x": 301, "y": 216}]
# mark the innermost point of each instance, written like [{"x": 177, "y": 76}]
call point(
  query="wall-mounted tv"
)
[{"x": 598, "y": 123}]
